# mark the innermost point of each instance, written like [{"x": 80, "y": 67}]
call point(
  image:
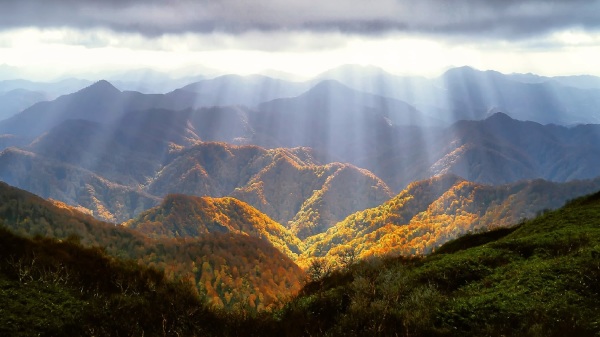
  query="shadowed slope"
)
[{"x": 70, "y": 184}]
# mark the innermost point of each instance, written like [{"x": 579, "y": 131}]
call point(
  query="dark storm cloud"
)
[{"x": 501, "y": 18}]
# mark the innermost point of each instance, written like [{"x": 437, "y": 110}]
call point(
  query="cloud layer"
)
[{"x": 506, "y": 19}]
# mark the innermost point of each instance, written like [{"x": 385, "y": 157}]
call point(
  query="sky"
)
[{"x": 48, "y": 39}]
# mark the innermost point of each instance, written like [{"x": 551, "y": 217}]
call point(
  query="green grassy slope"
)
[
  {"x": 51, "y": 288},
  {"x": 540, "y": 279}
]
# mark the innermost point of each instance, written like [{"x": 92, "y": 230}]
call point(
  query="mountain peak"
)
[
  {"x": 499, "y": 116},
  {"x": 329, "y": 85},
  {"x": 463, "y": 69},
  {"x": 101, "y": 86}
]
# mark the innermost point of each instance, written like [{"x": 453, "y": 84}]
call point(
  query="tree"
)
[
  {"x": 347, "y": 256},
  {"x": 318, "y": 269}
]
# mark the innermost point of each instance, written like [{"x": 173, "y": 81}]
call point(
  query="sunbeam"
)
[{"x": 275, "y": 168}]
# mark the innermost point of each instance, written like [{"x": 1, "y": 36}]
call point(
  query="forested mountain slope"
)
[
  {"x": 538, "y": 279},
  {"x": 432, "y": 212},
  {"x": 232, "y": 270}
]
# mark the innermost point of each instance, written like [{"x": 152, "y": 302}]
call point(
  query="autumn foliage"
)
[{"x": 231, "y": 269}]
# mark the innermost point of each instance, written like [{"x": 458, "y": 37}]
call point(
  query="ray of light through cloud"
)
[
  {"x": 61, "y": 37},
  {"x": 47, "y": 40}
]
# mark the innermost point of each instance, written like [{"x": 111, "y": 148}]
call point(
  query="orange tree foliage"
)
[
  {"x": 189, "y": 216},
  {"x": 227, "y": 268},
  {"x": 429, "y": 213}
]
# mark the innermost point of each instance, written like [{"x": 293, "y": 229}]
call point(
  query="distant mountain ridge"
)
[
  {"x": 159, "y": 152},
  {"x": 242, "y": 90},
  {"x": 17, "y": 100},
  {"x": 497, "y": 150},
  {"x": 468, "y": 93},
  {"x": 459, "y": 93},
  {"x": 100, "y": 102}
]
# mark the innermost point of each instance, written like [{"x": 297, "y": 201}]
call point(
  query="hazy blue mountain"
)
[
  {"x": 242, "y": 90},
  {"x": 580, "y": 81},
  {"x": 100, "y": 102},
  {"x": 467, "y": 93},
  {"x": 576, "y": 81},
  {"x": 128, "y": 154},
  {"x": 51, "y": 89},
  {"x": 17, "y": 100},
  {"x": 332, "y": 118},
  {"x": 479, "y": 92},
  {"x": 150, "y": 81},
  {"x": 104, "y": 103},
  {"x": 496, "y": 150},
  {"x": 18, "y": 94},
  {"x": 133, "y": 148},
  {"x": 425, "y": 94},
  {"x": 73, "y": 185}
]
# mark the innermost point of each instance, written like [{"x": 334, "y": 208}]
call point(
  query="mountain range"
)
[
  {"x": 459, "y": 93},
  {"x": 467, "y": 93},
  {"x": 355, "y": 203},
  {"x": 342, "y": 124},
  {"x": 307, "y": 161},
  {"x": 356, "y": 157}
]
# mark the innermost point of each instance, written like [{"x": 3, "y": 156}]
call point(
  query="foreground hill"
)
[
  {"x": 539, "y": 279},
  {"x": 52, "y": 288},
  {"x": 230, "y": 269},
  {"x": 431, "y": 212}
]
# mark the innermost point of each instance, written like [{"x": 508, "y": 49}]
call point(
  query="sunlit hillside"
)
[
  {"x": 227, "y": 269},
  {"x": 430, "y": 213},
  {"x": 180, "y": 216},
  {"x": 534, "y": 279},
  {"x": 299, "y": 168},
  {"x": 538, "y": 279}
]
